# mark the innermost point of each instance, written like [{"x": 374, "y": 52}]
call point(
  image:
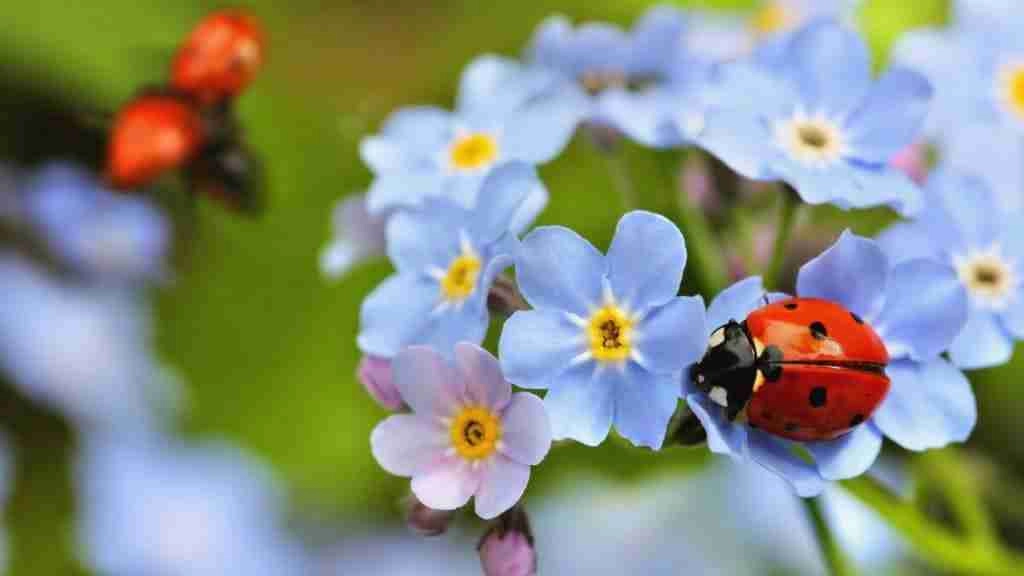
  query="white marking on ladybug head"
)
[
  {"x": 719, "y": 396},
  {"x": 717, "y": 337}
]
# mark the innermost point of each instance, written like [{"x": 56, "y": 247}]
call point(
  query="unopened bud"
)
[
  {"x": 912, "y": 161},
  {"x": 426, "y": 521},
  {"x": 375, "y": 374},
  {"x": 507, "y": 547}
]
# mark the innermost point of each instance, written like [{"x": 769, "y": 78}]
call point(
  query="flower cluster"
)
[{"x": 609, "y": 335}]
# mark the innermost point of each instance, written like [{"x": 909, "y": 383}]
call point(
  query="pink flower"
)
[
  {"x": 375, "y": 374},
  {"x": 912, "y": 161},
  {"x": 507, "y": 548},
  {"x": 468, "y": 435}
]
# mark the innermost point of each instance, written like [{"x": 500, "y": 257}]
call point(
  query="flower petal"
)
[
  {"x": 537, "y": 345},
  {"x": 394, "y": 313},
  {"x": 644, "y": 404},
  {"x": 929, "y": 405},
  {"x": 557, "y": 269},
  {"x": 402, "y": 189},
  {"x": 427, "y": 383},
  {"x": 642, "y": 116},
  {"x": 848, "y": 456},
  {"x": 404, "y": 444},
  {"x": 540, "y": 131},
  {"x": 501, "y": 486},
  {"x": 646, "y": 260},
  {"x": 831, "y": 65},
  {"x": 852, "y": 272},
  {"x": 673, "y": 336},
  {"x": 724, "y": 437},
  {"x": 736, "y": 302},
  {"x": 891, "y": 117},
  {"x": 420, "y": 240},
  {"x": 526, "y": 429},
  {"x": 777, "y": 456},
  {"x": 907, "y": 241},
  {"x": 485, "y": 386},
  {"x": 982, "y": 343},
  {"x": 1013, "y": 317},
  {"x": 970, "y": 212},
  {"x": 511, "y": 194},
  {"x": 408, "y": 134},
  {"x": 925, "y": 308},
  {"x": 581, "y": 404},
  {"x": 446, "y": 485}
]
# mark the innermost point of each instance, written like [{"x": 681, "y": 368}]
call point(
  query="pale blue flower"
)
[
  {"x": 964, "y": 229},
  {"x": 816, "y": 120},
  {"x": 608, "y": 334},
  {"x": 165, "y": 508},
  {"x": 446, "y": 257},
  {"x": 916, "y": 310},
  {"x": 506, "y": 112},
  {"x": 356, "y": 236},
  {"x": 107, "y": 235}
]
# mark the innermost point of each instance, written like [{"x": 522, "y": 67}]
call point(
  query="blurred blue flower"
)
[
  {"x": 446, "y": 258},
  {"x": 815, "y": 120},
  {"x": 506, "y": 112},
  {"x": 109, "y": 236},
  {"x": 84, "y": 350},
  {"x": 356, "y": 235},
  {"x": 917, "y": 309},
  {"x": 608, "y": 335},
  {"x": 964, "y": 229},
  {"x": 164, "y": 508}
]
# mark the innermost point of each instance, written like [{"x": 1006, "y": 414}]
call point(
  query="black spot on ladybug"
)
[
  {"x": 857, "y": 419},
  {"x": 790, "y": 306},
  {"x": 819, "y": 397},
  {"x": 856, "y": 318},
  {"x": 818, "y": 331},
  {"x": 772, "y": 372},
  {"x": 752, "y": 425},
  {"x": 791, "y": 427},
  {"x": 772, "y": 354}
]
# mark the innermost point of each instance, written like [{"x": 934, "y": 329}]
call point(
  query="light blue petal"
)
[
  {"x": 908, "y": 241},
  {"x": 407, "y": 135},
  {"x": 581, "y": 404},
  {"x": 970, "y": 212},
  {"x": 402, "y": 189},
  {"x": 736, "y": 302},
  {"x": 494, "y": 85},
  {"x": 831, "y": 65},
  {"x": 982, "y": 344},
  {"x": 646, "y": 260},
  {"x": 673, "y": 336},
  {"x": 777, "y": 456},
  {"x": 925, "y": 308},
  {"x": 420, "y": 240},
  {"x": 549, "y": 41},
  {"x": 850, "y": 185},
  {"x": 463, "y": 188},
  {"x": 644, "y": 404},
  {"x": 848, "y": 456},
  {"x": 739, "y": 140},
  {"x": 538, "y": 132},
  {"x": 559, "y": 270},
  {"x": 886, "y": 186},
  {"x": 656, "y": 41},
  {"x": 929, "y": 405},
  {"x": 506, "y": 192},
  {"x": 597, "y": 46},
  {"x": 1013, "y": 317},
  {"x": 537, "y": 345},
  {"x": 392, "y": 315},
  {"x": 643, "y": 116},
  {"x": 891, "y": 117},
  {"x": 724, "y": 437},
  {"x": 851, "y": 272},
  {"x": 446, "y": 329},
  {"x": 942, "y": 58}
]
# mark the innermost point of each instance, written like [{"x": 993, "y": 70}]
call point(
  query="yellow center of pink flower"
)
[{"x": 475, "y": 432}]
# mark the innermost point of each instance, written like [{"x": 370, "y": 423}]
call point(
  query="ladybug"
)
[
  {"x": 162, "y": 130},
  {"x": 220, "y": 57},
  {"x": 801, "y": 368}
]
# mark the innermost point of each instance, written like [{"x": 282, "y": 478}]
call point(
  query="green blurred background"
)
[{"x": 264, "y": 343}]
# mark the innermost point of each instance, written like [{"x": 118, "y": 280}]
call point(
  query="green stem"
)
[
  {"x": 936, "y": 546},
  {"x": 950, "y": 476},
  {"x": 790, "y": 206},
  {"x": 837, "y": 562}
]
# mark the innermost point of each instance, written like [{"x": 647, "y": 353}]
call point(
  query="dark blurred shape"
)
[{"x": 425, "y": 521}]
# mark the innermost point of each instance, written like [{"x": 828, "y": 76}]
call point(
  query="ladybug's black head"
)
[{"x": 729, "y": 368}]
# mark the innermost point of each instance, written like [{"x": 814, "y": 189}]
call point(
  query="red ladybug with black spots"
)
[{"x": 802, "y": 368}]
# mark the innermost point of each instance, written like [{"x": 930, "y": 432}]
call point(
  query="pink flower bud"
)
[
  {"x": 375, "y": 374},
  {"x": 426, "y": 521},
  {"x": 912, "y": 161},
  {"x": 507, "y": 547}
]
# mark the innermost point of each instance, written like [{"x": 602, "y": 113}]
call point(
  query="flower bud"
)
[
  {"x": 375, "y": 374},
  {"x": 426, "y": 521},
  {"x": 912, "y": 161},
  {"x": 507, "y": 547}
]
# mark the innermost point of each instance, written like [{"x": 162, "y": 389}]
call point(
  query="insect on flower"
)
[{"x": 221, "y": 57}]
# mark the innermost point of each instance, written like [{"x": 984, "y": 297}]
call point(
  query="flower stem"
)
[
  {"x": 790, "y": 206},
  {"x": 837, "y": 562},
  {"x": 949, "y": 474}
]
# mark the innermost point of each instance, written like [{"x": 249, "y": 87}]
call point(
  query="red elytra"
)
[
  {"x": 151, "y": 134},
  {"x": 220, "y": 57},
  {"x": 830, "y": 376}
]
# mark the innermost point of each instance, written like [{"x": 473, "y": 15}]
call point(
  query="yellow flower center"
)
[
  {"x": 988, "y": 277},
  {"x": 459, "y": 281},
  {"x": 1012, "y": 79},
  {"x": 810, "y": 140},
  {"x": 474, "y": 151},
  {"x": 609, "y": 330},
  {"x": 770, "y": 19},
  {"x": 475, "y": 433}
]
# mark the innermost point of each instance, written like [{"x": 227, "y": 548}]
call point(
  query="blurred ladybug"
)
[
  {"x": 220, "y": 57},
  {"x": 160, "y": 131},
  {"x": 802, "y": 368}
]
